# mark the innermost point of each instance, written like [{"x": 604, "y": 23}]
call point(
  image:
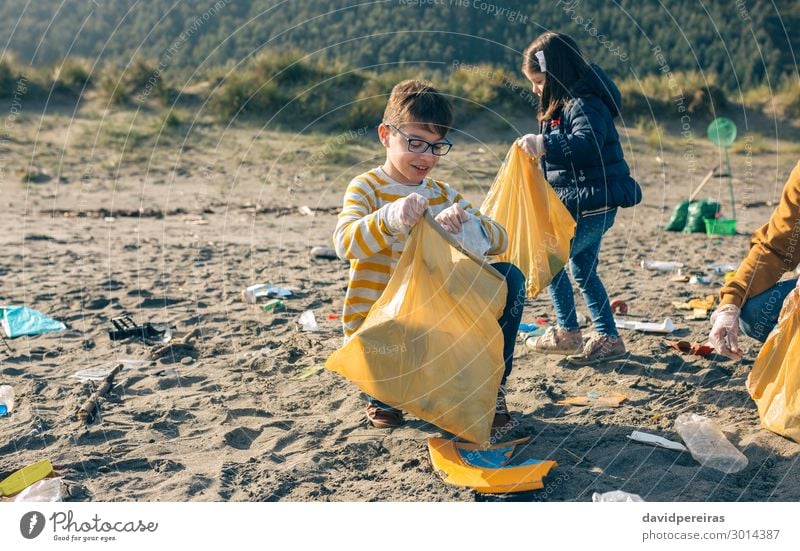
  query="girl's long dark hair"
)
[{"x": 565, "y": 66}]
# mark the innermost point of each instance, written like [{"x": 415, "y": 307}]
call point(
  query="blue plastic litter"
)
[
  {"x": 528, "y": 327},
  {"x": 492, "y": 459},
  {"x": 21, "y": 320}
]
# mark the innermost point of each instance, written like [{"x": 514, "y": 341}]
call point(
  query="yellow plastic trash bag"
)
[
  {"x": 539, "y": 226},
  {"x": 431, "y": 344},
  {"x": 774, "y": 382}
]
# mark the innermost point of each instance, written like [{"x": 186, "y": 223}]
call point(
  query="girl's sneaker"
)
[
  {"x": 599, "y": 348},
  {"x": 556, "y": 340}
]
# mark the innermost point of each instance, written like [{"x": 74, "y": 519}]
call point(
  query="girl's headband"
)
[{"x": 540, "y": 58}]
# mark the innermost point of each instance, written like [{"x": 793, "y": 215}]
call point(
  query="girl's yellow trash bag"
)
[
  {"x": 774, "y": 382},
  {"x": 431, "y": 344},
  {"x": 539, "y": 226}
]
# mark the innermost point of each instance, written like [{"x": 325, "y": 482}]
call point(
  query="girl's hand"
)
[
  {"x": 532, "y": 144},
  {"x": 452, "y": 218}
]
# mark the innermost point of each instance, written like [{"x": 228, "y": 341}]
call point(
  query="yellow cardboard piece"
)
[
  {"x": 612, "y": 400},
  {"x": 449, "y": 463},
  {"x": 21, "y": 479}
]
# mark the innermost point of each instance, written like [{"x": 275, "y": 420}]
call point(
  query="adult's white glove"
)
[
  {"x": 724, "y": 336},
  {"x": 532, "y": 144},
  {"x": 452, "y": 218},
  {"x": 404, "y": 213}
]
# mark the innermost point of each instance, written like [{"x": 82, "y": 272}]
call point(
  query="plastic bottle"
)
[
  {"x": 661, "y": 265},
  {"x": 708, "y": 445},
  {"x": 6, "y": 399}
]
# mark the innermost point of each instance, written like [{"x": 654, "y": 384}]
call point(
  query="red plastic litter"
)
[
  {"x": 619, "y": 305},
  {"x": 333, "y": 317}
]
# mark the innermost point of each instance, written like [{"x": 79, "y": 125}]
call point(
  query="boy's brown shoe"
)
[{"x": 381, "y": 418}]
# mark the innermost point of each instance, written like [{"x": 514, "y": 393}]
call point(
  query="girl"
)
[{"x": 581, "y": 157}]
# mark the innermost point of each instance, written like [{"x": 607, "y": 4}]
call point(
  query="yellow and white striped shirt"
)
[{"x": 362, "y": 235}]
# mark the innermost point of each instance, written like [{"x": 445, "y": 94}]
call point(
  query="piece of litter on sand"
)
[
  {"x": 698, "y": 314},
  {"x": 305, "y": 210},
  {"x": 665, "y": 327},
  {"x": 254, "y": 292},
  {"x": 149, "y": 333},
  {"x": 324, "y": 252},
  {"x": 92, "y": 374},
  {"x": 309, "y": 371},
  {"x": 274, "y": 305},
  {"x": 721, "y": 269},
  {"x": 307, "y": 321},
  {"x": 46, "y": 490},
  {"x": 661, "y": 265},
  {"x": 616, "y": 496},
  {"x": 6, "y": 399},
  {"x": 21, "y": 320},
  {"x": 619, "y": 305},
  {"x": 657, "y": 441},
  {"x": 691, "y": 348},
  {"x": 708, "y": 445},
  {"x": 491, "y": 469},
  {"x": 595, "y": 399},
  {"x": 24, "y": 477},
  {"x": 527, "y": 327}
]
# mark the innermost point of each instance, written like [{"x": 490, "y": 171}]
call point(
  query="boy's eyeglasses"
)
[{"x": 417, "y": 145}]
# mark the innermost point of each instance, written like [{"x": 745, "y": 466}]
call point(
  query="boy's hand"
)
[
  {"x": 532, "y": 144},
  {"x": 452, "y": 218},
  {"x": 406, "y": 212}
]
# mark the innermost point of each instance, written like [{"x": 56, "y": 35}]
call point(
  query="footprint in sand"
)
[{"x": 241, "y": 438}]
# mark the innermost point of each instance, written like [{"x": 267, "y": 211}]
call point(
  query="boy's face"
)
[
  {"x": 537, "y": 81},
  {"x": 401, "y": 164}
]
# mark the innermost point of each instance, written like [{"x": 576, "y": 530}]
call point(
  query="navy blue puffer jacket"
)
[{"x": 583, "y": 159}]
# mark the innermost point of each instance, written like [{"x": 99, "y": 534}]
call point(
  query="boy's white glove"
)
[
  {"x": 724, "y": 336},
  {"x": 404, "y": 213},
  {"x": 532, "y": 144},
  {"x": 452, "y": 218}
]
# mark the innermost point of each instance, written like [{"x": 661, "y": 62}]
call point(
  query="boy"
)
[{"x": 382, "y": 205}]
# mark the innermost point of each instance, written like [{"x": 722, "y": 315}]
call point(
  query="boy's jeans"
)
[
  {"x": 583, "y": 253},
  {"x": 509, "y": 321},
  {"x": 760, "y": 313}
]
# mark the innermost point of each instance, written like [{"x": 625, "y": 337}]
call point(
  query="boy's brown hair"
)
[{"x": 417, "y": 101}]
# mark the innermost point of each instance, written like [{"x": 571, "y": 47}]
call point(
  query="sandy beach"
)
[{"x": 173, "y": 235}]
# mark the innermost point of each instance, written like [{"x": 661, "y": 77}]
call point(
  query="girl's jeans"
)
[
  {"x": 509, "y": 321},
  {"x": 760, "y": 313},
  {"x": 583, "y": 253}
]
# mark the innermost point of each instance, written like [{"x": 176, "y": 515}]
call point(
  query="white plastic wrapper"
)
[
  {"x": 615, "y": 496},
  {"x": 46, "y": 490},
  {"x": 472, "y": 237}
]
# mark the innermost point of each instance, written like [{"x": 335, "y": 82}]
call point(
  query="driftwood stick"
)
[
  {"x": 5, "y": 342},
  {"x": 702, "y": 184},
  {"x": 88, "y": 411}
]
